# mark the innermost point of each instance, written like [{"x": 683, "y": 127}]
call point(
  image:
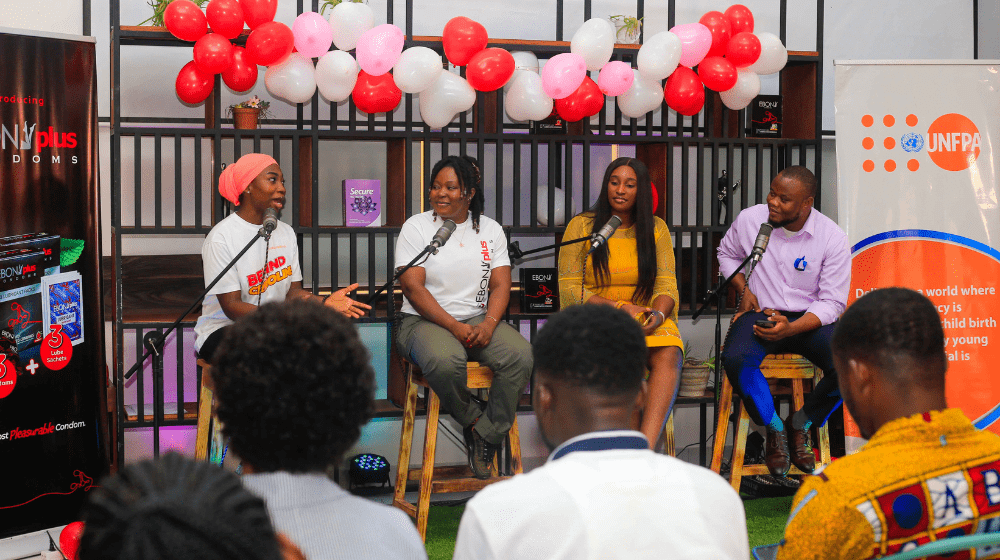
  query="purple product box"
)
[
  {"x": 48, "y": 244},
  {"x": 362, "y": 202},
  {"x": 20, "y": 295}
]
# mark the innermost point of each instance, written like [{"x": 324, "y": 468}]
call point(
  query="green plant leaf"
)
[{"x": 70, "y": 251}]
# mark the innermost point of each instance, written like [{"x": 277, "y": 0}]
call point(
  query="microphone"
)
[
  {"x": 601, "y": 237},
  {"x": 270, "y": 222},
  {"x": 442, "y": 235},
  {"x": 760, "y": 245}
]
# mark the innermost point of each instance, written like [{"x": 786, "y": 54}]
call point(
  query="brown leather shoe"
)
[
  {"x": 800, "y": 448},
  {"x": 776, "y": 452}
]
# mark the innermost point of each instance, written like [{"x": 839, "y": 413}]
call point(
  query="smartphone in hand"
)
[{"x": 764, "y": 323}]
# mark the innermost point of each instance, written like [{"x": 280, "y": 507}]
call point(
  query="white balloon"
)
[
  {"x": 644, "y": 96},
  {"x": 416, "y": 69},
  {"x": 659, "y": 55},
  {"x": 594, "y": 41},
  {"x": 524, "y": 61},
  {"x": 739, "y": 96},
  {"x": 542, "y": 213},
  {"x": 526, "y": 100},
  {"x": 336, "y": 74},
  {"x": 448, "y": 96},
  {"x": 348, "y": 21},
  {"x": 294, "y": 80},
  {"x": 773, "y": 55}
]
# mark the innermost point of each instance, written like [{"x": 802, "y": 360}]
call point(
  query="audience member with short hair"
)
[
  {"x": 602, "y": 493},
  {"x": 295, "y": 386},
  {"x": 926, "y": 472},
  {"x": 174, "y": 508}
]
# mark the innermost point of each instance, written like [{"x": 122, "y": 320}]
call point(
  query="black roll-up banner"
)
[{"x": 52, "y": 356}]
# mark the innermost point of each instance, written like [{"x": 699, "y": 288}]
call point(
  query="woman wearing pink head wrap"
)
[{"x": 270, "y": 270}]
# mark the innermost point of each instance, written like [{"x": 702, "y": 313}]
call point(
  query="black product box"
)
[
  {"x": 765, "y": 116},
  {"x": 553, "y": 124},
  {"x": 21, "y": 295},
  {"x": 46, "y": 243},
  {"x": 539, "y": 290}
]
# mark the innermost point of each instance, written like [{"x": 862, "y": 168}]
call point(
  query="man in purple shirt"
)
[{"x": 801, "y": 286}]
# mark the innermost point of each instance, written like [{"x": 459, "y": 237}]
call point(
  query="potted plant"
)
[
  {"x": 333, "y": 4},
  {"x": 247, "y": 114},
  {"x": 695, "y": 373},
  {"x": 628, "y": 28},
  {"x": 160, "y": 6}
]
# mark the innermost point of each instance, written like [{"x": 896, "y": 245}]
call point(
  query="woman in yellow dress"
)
[{"x": 633, "y": 271}]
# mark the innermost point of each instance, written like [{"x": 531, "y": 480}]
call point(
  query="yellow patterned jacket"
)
[{"x": 919, "y": 479}]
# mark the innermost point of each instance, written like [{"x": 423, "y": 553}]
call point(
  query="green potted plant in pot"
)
[
  {"x": 160, "y": 6},
  {"x": 695, "y": 373},
  {"x": 246, "y": 115}
]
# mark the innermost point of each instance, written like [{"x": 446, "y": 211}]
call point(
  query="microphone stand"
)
[
  {"x": 514, "y": 248},
  {"x": 399, "y": 272},
  {"x": 716, "y": 295},
  {"x": 154, "y": 342}
]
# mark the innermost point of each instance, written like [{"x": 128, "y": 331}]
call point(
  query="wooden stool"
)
[
  {"x": 774, "y": 366},
  {"x": 444, "y": 479},
  {"x": 206, "y": 405}
]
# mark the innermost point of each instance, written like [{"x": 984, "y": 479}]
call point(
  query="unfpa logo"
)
[{"x": 952, "y": 142}]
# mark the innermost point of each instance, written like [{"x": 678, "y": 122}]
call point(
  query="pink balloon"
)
[
  {"x": 379, "y": 48},
  {"x": 615, "y": 78},
  {"x": 562, "y": 74},
  {"x": 696, "y": 40},
  {"x": 313, "y": 35}
]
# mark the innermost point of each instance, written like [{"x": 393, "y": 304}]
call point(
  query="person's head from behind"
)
[
  {"x": 294, "y": 386},
  {"x": 176, "y": 508},
  {"x": 589, "y": 368},
  {"x": 888, "y": 349}
]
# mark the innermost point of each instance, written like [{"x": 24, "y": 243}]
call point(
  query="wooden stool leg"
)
[
  {"x": 739, "y": 448},
  {"x": 668, "y": 436},
  {"x": 798, "y": 396},
  {"x": 206, "y": 400},
  {"x": 823, "y": 431},
  {"x": 514, "y": 439},
  {"x": 427, "y": 470},
  {"x": 405, "y": 447},
  {"x": 725, "y": 408}
]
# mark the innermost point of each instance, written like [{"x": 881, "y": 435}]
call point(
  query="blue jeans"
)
[{"x": 744, "y": 351}]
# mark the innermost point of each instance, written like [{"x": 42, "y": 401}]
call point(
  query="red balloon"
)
[
  {"x": 69, "y": 539},
  {"x": 269, "y": 43},
  {"x": 585, "y": 102},
  {"x": 213, "y": 53},
  {"x": 489, "y": 69},
  {"x": 257, "y": 12},
  {"x": 744, "y": 49},
  {"x": 740, "y": 18},
  {"x": 241, "y": 75},
  {"x": 225, "y": 17},
  {"x": 185, "y": 20},
  {"x": 717, "y": 73},
  {"x": 684, "y": 91},
  {"x": 718, "y": 24},
  {"x": 462, "y": 38},
  {"x": 376, "y": 94},
  {"x": 193, "y": 85}
]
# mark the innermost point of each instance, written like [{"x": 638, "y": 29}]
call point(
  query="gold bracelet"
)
[
  {"x": 620, "y": 304},
  {"x": 494, "y": 318}
]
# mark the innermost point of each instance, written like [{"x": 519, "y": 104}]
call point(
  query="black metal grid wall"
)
[{"x": 694, "y": 151}]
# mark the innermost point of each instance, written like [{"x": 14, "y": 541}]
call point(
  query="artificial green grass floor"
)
[{"x": 765, "y": 525}]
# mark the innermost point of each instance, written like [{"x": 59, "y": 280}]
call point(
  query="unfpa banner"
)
[
  {"x": 52, "y": 365},
  {"x": 917, "y": 149}
]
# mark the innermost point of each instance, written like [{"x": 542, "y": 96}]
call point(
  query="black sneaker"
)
[{"x": 481, "y": 454}]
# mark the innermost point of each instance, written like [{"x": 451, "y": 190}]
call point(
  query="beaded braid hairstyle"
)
[
  {"x": 467, "y": 170},
  {"x": 176, "y": 508}
]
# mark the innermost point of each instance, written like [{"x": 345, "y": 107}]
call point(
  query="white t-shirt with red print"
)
[
  {"x": 250, "y": 276},
  {"x": 459, "y": 275}
]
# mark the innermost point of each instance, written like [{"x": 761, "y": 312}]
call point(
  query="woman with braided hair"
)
[
  {"x": 452, "y": 305},
  {"x": 173, "y": 508}
]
